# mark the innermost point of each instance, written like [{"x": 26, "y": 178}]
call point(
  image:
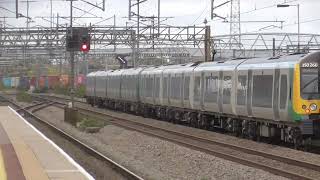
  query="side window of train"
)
[
  {"x": 242, "y": 90},
  {"x": 165, "y": 87},
  {"x": 227, "y": 83},
  {"x": 283, "y": 92},
  {"x": 175, "y": 87},
  {"x": 186, "y": 87},
  {"x": 211, "y": 88},
  {"x": 262, "y": 91},
  {"x": 197, "y": 88}
]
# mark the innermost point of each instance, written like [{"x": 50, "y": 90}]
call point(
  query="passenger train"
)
[{"x": 277, "y": 97}]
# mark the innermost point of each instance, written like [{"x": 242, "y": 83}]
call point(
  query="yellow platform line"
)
[{"x": 3, "y": 174}]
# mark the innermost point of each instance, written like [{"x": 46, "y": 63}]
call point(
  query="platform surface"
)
[{"x": 26, "y": 154}]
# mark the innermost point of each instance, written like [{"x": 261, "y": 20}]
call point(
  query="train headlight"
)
[{"x": 313, "y": 107}]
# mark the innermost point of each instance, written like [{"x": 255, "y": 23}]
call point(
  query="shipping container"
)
[
  {"x": 6, "y": 82},
  {"x": 12, "y": 81},
  {"x": 53, "y": 81},
  {"x": 33, "y": 81},
  {"x": 46, "y": 82},
  {"x": 24, "y": 83},
  {"x": 80, "y": 80},
  {"x": 43, "y": 82},
  {"x": 64, "y": 80},
  {"x": 15, "y": 82}
]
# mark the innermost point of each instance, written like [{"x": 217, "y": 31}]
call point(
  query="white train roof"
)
[{"x": 248, "y": 63}]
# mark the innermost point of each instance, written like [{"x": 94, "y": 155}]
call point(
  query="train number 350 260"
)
[{"x": 309, "y": 65}]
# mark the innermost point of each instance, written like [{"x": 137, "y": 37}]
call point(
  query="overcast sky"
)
[{"x": 185, "y": 12}]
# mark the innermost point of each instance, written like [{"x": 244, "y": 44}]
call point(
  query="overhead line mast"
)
[
  {"x": 235, "y": 26},
  {"x": 17, "y": 9}
]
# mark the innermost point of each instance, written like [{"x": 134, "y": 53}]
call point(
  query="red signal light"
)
[{"x": 84, "y": 47}]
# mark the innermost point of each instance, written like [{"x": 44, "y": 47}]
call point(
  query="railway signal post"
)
[{"x": 78, "y": 39}]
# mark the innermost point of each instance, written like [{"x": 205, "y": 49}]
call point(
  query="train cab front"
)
[{"x": 306, "y": 94}]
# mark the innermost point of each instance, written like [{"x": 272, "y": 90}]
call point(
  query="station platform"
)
[{"x": 26, "y": 154}]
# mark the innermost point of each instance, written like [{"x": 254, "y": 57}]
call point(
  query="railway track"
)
[
  {"x": 279, "y": 165},
  {"x": 26, "y": 112}
]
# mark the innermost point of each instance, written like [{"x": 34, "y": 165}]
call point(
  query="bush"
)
[
  {"x": 61, "y": 90},
  {"x": 80, "y": 91},
  {"x": 89, "y": 122},
  {"x": 23, "y": 96},
  {"x": 2, "y": 87},
  {"x": 41, "y": 90}
]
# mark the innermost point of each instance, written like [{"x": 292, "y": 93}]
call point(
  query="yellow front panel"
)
[{"x": 297, "y": 101}]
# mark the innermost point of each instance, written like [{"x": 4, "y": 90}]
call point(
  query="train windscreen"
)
[{"x": 309, "y": 81}]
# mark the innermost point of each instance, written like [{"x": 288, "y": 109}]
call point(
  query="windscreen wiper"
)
[{"x": 309, "y": 83}]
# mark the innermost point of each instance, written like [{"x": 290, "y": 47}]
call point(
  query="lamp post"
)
[{"x": 298, "y": 8}]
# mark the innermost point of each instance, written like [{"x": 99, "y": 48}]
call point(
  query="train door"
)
[
  {"x": 169, "y": 88},
  {"x": 94, "y": 88},
  {"x": 241, "y": 90},
  {"x": 202, "y": 90},
  {"x": 220, "y": 93},
  {"x": 276, "y": 94},
  {"x": 249, "y": 93},
  {"x": 106, "y": 76},
  {"x": 283, "y": 94},
  {"x": 182, "y": 89}
]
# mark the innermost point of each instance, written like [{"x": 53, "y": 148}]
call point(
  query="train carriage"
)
[{"x": 273, "y": 97}]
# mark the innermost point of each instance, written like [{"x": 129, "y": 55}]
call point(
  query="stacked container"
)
[
  {"x": 15, "y": 82},
  {"x": 24, "y": 83},
  {"x": 6, "y": 82},
  {"x": 42, "y": 82},
  {"x": 33, "y": 81},
  {"x": 64, "y": 80},
  {"x": 53, "y": 81},
  {"x": 80, "y": 80}
]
